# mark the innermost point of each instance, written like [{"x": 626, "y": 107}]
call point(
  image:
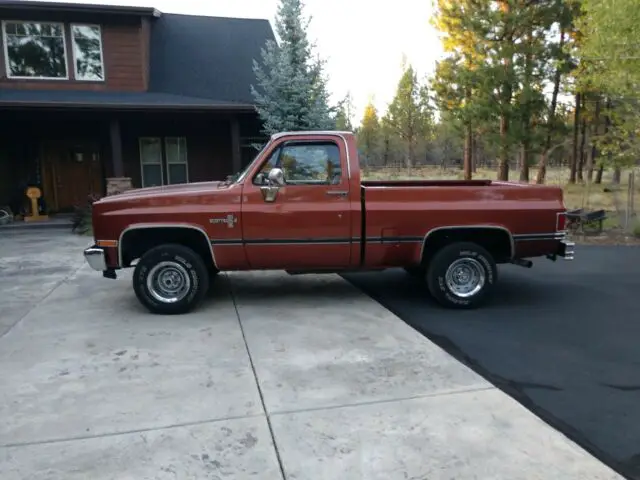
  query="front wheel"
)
[
  {"x": 170, "y": 279},
  {"x": 462, "y": 275}
]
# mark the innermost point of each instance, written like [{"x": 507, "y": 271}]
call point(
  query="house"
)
[{"x": 97, "y": 98}]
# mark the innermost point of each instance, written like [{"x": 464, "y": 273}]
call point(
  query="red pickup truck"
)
[{"x": 301, "y": 206}]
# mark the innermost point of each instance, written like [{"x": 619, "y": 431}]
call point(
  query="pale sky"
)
[{"x": 362, "y": 41}]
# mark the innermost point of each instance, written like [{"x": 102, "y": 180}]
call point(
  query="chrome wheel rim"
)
[
  {"x": 465, "y": 277},
  {"x": 168, "y": 282}
]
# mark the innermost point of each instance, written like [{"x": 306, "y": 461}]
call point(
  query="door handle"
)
[{"x": 340, "y": 193}]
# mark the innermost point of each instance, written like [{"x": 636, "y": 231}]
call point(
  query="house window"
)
[
  {"x": 154, "y": 159},
  {"x": 151, "y": 162},
  {"x": 87, "y": 52},
  {"x": 177, "y": 167},
  {"x": 35, "y": 50}
]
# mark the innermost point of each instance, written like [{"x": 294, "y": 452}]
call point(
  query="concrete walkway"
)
[{"x": 275, "y": 376}]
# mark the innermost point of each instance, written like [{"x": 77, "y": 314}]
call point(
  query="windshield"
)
[{"x": 238, "y": 177}]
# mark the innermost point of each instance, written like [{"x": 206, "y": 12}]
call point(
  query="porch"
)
[{"x": 71, "y": 155}]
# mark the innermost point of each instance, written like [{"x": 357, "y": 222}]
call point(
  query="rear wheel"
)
[
  {"x": 462, "y": 275},
  {"x": 170, "y": 279}
]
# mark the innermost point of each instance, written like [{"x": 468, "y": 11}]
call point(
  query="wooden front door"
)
[{"x": 72, "y": 172}]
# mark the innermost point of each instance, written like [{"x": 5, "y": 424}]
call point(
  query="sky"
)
[{"x": 363, "y": 42}]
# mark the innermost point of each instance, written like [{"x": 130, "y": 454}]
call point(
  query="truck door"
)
[{"x": 307, "y": 224}]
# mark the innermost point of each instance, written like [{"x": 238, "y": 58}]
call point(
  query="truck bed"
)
[{"x": 401, "y": 213}]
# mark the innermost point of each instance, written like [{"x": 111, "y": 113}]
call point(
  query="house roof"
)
[
  {"x": 208, "y": 57},
  {"x": 12, "y": 97},
  {"x": 195, "y": 62},
  {"x": 29, "y": 5}
]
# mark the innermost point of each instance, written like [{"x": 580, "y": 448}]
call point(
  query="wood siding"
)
[{"x": 125, "y": 49}]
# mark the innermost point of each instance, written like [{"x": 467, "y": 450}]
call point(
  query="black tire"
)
[
  {"x": 478, "y": 257},
  {"x": 185, "y": 264}
]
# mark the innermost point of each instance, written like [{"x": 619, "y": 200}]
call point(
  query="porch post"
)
[
  {"x": 236, "y": 161},
  {"x": 116, "y": 148},
  {"x": 118, "y": 183}
]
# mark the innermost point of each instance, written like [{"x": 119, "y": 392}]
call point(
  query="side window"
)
[
  {"x": 311, "y": 164},
  {"x": 263, "y": 174}
]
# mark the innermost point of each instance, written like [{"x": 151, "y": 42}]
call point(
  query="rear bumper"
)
[
  {"x": 566, "y": 249},
  {"x": 96, "y": 258}
]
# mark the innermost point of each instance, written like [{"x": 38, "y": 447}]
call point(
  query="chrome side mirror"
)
[
  {"x": 275, "y": 181},
  {"x": 276, "y": 177}
]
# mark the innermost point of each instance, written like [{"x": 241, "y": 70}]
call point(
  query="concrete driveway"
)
[{"x": 274, "y": 377}]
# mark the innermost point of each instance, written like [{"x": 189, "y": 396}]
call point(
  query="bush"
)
[
  {"x": 81, "y": 221},
  {"x": 636, "y": 229},
  {"x": 6, "y": 215}
]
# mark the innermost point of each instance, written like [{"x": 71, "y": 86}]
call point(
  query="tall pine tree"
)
[
  {"x": 369, "y": 135},
  {"x": 291, "y": 92},
  {"x": 409, "y": 114}
]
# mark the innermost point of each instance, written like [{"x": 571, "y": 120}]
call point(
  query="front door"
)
[
  {"x": 308, "y": 226},
  {"x": 75, "y": 170}
]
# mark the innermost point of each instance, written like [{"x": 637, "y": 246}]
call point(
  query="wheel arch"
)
[
  {"x": 195, "y": 230},
  {"x": 498, "y": 239}
]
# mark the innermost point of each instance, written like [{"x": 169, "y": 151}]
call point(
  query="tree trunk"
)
[
  {"x": 594, "y": 150},
  {"x": 607, "y": 123},
  {"x": 526, "y": 117},
  {"x": 474, "y": 153},
  {"x": 617, "y": 175},
  {"x": 503, "y": 166},
  {"x": 582, "y": 150},
  {"x": 468, "y": 140},
  {"x": 544, "y": 156},
  {"x": 524, "y": 158},
  {"x": 573, "y": 166},
  {"x": 409, "y": 158},
  {"x": 599, "y": 175},
  {"x": 506, "y": 96},
  {"x": 542, "y": 168}
]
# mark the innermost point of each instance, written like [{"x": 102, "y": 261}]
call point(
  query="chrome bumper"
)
[
  {"x": 567, "y": 250},
  {"x": 96, "y": 258}
]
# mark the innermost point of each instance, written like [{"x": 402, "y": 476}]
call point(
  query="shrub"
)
[{"x": 81, "y": 221}]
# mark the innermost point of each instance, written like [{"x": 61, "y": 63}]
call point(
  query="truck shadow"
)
[
  {"x": 510, "y": 291},
  {"x": 276, "y": 286}
]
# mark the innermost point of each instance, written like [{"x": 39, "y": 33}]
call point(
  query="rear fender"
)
[{"x": 497, "y": 239}]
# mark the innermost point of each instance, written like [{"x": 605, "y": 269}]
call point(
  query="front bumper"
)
[{"x": 96, "y": 258}]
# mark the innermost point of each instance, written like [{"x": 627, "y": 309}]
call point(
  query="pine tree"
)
[
  {"x": 369, "y": 135},
  {"x": 291, "y": 92},
  {"x": 344, "y": 113},
  {"x": 409, "y": 114},
  {"x": 610, "y": 65},
  {"x": 460, "y": 82}
]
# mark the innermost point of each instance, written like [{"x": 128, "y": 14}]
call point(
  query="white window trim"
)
[
  {"x": 6, "y": 50},
  {"x": 75, "y": 64},
  {"x": 161, "y": 163},
  {"x": 185, "y": 163}
]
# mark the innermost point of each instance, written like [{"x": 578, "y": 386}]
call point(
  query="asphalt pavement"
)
[{"x": 561, "y": 338}]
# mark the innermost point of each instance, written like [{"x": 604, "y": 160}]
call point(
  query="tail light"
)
[{"x": 561, "y": 221}]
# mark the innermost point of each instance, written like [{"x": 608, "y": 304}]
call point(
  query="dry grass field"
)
[{"x": 606, "y": 196}]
